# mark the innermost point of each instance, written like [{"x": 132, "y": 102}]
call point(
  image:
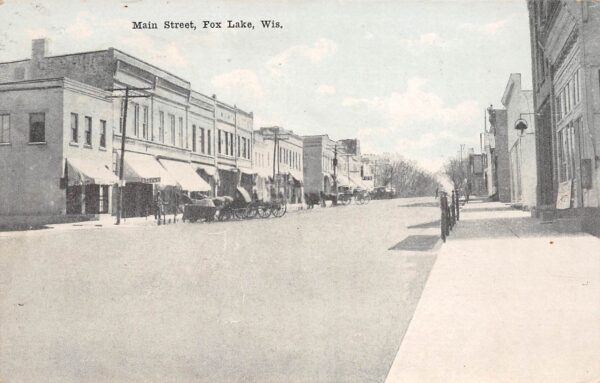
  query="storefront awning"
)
[
  {"x": 146, "y": 169},
  {"x": 297, "y": 181},
  {"x": 342, "y": 180},
  {"x": 265, "y": 173},
  {"x": 209, "y": 170},
  {"x": 244, "y": 193},
  {"x": 185, "y": 175},
  {"x": 358, "y": 182},
  {"x": 85, "y": 172}
]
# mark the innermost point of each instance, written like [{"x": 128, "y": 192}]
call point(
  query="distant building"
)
[
  {"x": 318, "y": 153},
  {"x": 565, "y": 61},
  {"x": 497, "y": 173},
  {"x": 521, "y": 142},
  {"x": 475, "y": 175},
  {"x": 287, "y": 149}
]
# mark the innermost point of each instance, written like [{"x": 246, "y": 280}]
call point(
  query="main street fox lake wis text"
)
[{"x": 206, "y": 24}]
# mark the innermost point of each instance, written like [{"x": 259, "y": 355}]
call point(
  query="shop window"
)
[
  {"x": 4, "y": 128},
  {"x": 74, "y": 127},
  {"x": 102, "y": 134},
  {"x": 37, "y": 127},
  {"x": 88, "y": 130}
]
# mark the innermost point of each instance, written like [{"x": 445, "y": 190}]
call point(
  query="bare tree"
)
[
  {"x": 456, "y": 170},
  {"x": 406, "y": 178}
]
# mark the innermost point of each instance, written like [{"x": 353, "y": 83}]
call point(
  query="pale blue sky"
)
[{"x": 403, "y": 76}]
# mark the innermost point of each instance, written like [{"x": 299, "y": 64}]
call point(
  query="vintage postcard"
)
[{"x": 300, "y": 191}]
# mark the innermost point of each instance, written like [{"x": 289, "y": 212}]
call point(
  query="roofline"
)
[
  {"x": 14, "y": 61},
  {"x": 62, "y": 81},
  {"x": 509, "y": 85},
  {"x": 152, "y": 65},
  {"x": 76, "y": 54}
]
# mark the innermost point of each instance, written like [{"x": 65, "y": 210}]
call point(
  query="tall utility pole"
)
[
  {"x": 335, "y": 162},
  {"x": 123, "y": 135},
  {"x": 276, "y": 138}
]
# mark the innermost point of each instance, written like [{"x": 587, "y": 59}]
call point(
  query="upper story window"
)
[
  {"x": 4, "y": 128},
  {"x": 172, "y": 119},
  {"x": 219, "y": 142},
  {"x": 161, "y": 126},
  {"x": 193, "y": 138},
  {"x": 37, "y": 127},
  {"x": 202, "y": 140},
  {"x": 180, "y": 132},
  {"x": 74, "y": 127},
  {"x": 136, "y": 120},
  {"x": 102, "y": 134},
  {"x": 209, "y": 142},
  {"x": 145, "y": 122},
  {"x": 569, "y": 96},
  {"x": 88, "y": 130},
  {"x": 122, "y": 108}
]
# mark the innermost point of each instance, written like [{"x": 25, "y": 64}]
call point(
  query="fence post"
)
[
  {"x": 457, "y": 204},
  {"x": 443, "y": 216}
]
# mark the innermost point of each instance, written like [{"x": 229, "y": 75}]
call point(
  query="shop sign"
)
[{"x": 153, "y": 180}]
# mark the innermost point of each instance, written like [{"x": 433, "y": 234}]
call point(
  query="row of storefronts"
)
[{"x": 62, "y": 135}]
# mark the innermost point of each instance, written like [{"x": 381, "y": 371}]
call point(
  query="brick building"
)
[
  {"x": 188, "y": 134},
  {"x": 566, "y": 69}
]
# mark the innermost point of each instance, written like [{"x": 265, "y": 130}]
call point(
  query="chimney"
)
[{"x": 38, "y": 49}]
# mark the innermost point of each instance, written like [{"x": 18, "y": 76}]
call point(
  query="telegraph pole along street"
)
[{"x": 127, "y": 96}]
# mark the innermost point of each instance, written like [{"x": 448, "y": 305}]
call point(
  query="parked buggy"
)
[{"x": 203, "y": 209}]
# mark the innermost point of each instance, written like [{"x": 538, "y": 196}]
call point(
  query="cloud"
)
[
  {"x": 80, "y": 29},
  {"x": 487, "y": 29},
  {"x": 243, "y": 80},
  {"x": 419, "y": 105},
  {"x": 173, "y": 57},
  {"x": 416, "y": 122},
  {"x": 315, "y": 53},
  {"x": 167, "y": 56},
  {"x": 36, "y": 33},
  {"x": 416, "y": 105},
  {"x": 424, "y": 40},
  {"x": 326, "y": 89}
]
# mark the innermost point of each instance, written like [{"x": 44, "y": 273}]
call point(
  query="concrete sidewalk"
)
[{"x": 509, "y": 300}]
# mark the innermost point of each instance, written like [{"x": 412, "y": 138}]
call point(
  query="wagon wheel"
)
[
  {"x": 264, "y": 211},
  {"x": 345, "y": 200},
  {"x": 225, "y": 215},
  {"x": 240, "y": 213},
  {"x": 252, "y": 212},
  {"x": 367, "y": 198},
  {"x": 278, "y": 210}
]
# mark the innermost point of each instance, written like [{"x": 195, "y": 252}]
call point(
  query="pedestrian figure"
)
[
  {"x": 437, "y": 190},
  {"x": 158, "y": 207}
]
